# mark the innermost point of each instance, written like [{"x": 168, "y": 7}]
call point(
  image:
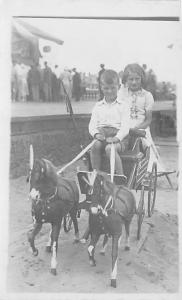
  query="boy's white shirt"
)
[{"x": 115, "y": 114}]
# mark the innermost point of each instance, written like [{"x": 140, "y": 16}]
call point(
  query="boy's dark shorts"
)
[{"x": 111, "y": 132}]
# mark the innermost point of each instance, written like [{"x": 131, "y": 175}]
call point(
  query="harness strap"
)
[
  {"x": 51, "y": 197},
  {"x": 110, "y": 199}
]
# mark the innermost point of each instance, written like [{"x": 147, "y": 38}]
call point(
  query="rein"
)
[
  {"x": 77, "y": 157},
  {"x": 112, "y": 168}
]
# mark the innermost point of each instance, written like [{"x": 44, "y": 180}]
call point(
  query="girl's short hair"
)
[
  {"x": 133, "y": 68},
  {"x": 109, "y": 77}
]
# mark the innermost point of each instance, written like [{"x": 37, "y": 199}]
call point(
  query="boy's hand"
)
[
  {"x": 99, "y": 137},
  {"x": 113, "y": 139}
]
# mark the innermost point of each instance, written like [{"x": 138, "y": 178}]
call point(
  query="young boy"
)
[{"x": 109, "y": 122}]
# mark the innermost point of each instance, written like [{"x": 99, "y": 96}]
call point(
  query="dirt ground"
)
[{"x": 151, "y": 267}]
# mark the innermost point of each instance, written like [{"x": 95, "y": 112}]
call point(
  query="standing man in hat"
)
[
  {"x": 76, "y": 88},
  {"x": 47, "y": 82},
  {"x": 101, "y": 95},
  {"x": 66, "y": 80}
]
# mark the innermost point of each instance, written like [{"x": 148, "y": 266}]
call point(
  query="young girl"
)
[
  {"x": 141, "y": 104},
  {"x": 140, "y": 101},
  {"x": 109, "y": 122}
]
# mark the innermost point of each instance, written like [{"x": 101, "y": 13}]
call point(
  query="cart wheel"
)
[
  {"x": 67, "y": 223},
  {"x": 152, "y": 189},
  {"x": 140, "y": 212}
]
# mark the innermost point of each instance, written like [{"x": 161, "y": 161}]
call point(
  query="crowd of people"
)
[
  {"x": 44, "y": 84},
  {"x": 160, "y": 90},
  {"x": 53, "y": 85}
]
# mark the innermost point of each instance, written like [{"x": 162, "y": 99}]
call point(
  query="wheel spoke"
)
[
  {"x": 140, "y": 212},
  {"x": 152, "y": 190}
]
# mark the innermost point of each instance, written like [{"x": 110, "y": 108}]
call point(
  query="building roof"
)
[
  {"x": 35, "y": 31},
  {"x": 25, "y": 42}
]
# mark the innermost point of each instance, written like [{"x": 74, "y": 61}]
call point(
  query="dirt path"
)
[{"x": 151, "y": 269}]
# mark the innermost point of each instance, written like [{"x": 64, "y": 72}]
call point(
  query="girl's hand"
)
[
  {"x": 113, "y": 139},
  {"x": 99, "y": 137}
]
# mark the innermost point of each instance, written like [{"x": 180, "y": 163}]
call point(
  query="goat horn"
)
[{"x": 31, "y": 157}]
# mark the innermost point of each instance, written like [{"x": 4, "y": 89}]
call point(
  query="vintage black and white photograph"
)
[{"x": 93, "y": 159}]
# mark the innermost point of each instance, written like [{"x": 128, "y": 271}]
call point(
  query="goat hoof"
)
[
  {"x": 92, "y": 262},
  {"x": 48, "y": 249},
  {"x": 35, "y": 252},
  {"x": 113, "y": 283},
  {"x": 127, "y": 248},
  {"x": 53, "y": 272}
]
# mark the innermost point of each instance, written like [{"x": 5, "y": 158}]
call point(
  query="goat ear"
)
[
  {"x": 42, "y": 166},
  {"x": 47, "y": 167}
]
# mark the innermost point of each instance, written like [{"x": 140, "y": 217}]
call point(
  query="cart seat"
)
[
  {"x": 135, "y": 150},
  {"x": 135, "y": 154}
]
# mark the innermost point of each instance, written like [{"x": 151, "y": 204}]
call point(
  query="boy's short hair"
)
[
  {"x": 110, "y": 77},
  {"x": 133, "y": 68}
]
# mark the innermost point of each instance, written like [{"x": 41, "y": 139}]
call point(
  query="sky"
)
[{"x": 88, "y": 43}]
